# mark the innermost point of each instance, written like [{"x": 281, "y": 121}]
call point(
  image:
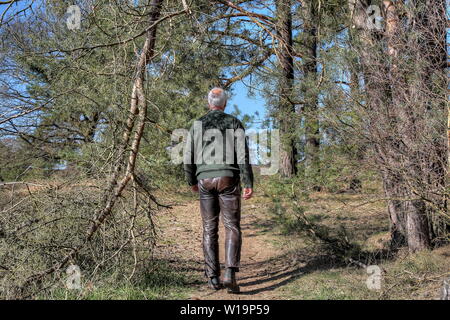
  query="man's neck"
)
[{"x": 216, "y": 108}]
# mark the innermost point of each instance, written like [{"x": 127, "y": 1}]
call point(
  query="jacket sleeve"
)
[
  {"x": 190, "y": 168},
  {"x": 245, "y": 168}
]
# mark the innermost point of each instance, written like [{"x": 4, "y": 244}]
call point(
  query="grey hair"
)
[{"x": 217, "y": 97}]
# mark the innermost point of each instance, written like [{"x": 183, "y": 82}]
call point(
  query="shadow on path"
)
[{"x": 276, "y": 272}]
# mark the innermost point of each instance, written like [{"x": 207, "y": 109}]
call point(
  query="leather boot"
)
[
  {"x": 214, "y": 283},
  {"x": 229, "y": 281}
]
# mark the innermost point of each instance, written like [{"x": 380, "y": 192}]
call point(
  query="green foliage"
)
[
  {"x": 158, "y": 281},
  {"x": 78, "y": 82},
  {"x": 21, "y": 162}
]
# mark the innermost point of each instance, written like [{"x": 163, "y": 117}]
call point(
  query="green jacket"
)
[{"x": 217, "y": 147}]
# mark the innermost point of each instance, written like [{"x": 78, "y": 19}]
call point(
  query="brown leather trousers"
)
[{"x": 221, "y": 194}]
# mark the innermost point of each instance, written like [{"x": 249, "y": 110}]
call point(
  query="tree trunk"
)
[
  {"x": 404, "y": 101},
  {"x": 410, "y": 218},
  {"x": 382, "y": 118},
  {"x": 378, "y": 94},
  {"x": 431, "y": 22},
  {"x": 396, "y": 210},
  {"x": 286, "y": 108},
  {"x": 417, "y": 226},
  {"x": 310, "y": 92}
]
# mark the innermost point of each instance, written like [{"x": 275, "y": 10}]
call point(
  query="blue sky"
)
[{"x": 245, "y": 104}]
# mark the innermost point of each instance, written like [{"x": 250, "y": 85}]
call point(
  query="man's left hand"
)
[
  {"x": 194, "y": 188},
  {"x": 248, "y": 192}
]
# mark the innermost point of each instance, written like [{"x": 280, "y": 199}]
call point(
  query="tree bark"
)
[
  {"x": 396, "y": 211},
  {"x": 431, "y": 21},
  {"x": 398, "y": 94},
  {"x": 409, "y": 217},
  {"x": 286, "y": 108},
  {"x": 378, "y": 94},
  {"x": 310, "y": 92}
]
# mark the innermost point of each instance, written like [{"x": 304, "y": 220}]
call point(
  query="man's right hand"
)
[
  {"x": 248, "y": 192},
  {"x": 194, "y": 188}
]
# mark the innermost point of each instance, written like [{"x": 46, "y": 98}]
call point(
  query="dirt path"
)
[
  {"x": 264, "y": 267},
  {"x": 274, "y": 266}
]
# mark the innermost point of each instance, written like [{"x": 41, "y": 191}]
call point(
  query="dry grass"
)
[
  {"x": 275, "y": 265},
  {"x": 405, "y": 276}
]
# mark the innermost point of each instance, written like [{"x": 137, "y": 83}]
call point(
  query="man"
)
[{"x": 216, "y": 160}]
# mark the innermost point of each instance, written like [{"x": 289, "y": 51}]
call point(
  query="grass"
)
[
  {"x": 418, "y": 276},
  {"x": 160, "y": 282},
  {"x": 336, "y": 284},
  {"x": 405, "y": 276}
]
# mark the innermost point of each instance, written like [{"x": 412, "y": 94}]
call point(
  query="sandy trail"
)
[{"x": 264, "y": 268}]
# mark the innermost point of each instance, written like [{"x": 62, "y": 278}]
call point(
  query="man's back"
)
[
  {"x": 217, "y": 119},
  {"x": 216, "y": 148}
]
